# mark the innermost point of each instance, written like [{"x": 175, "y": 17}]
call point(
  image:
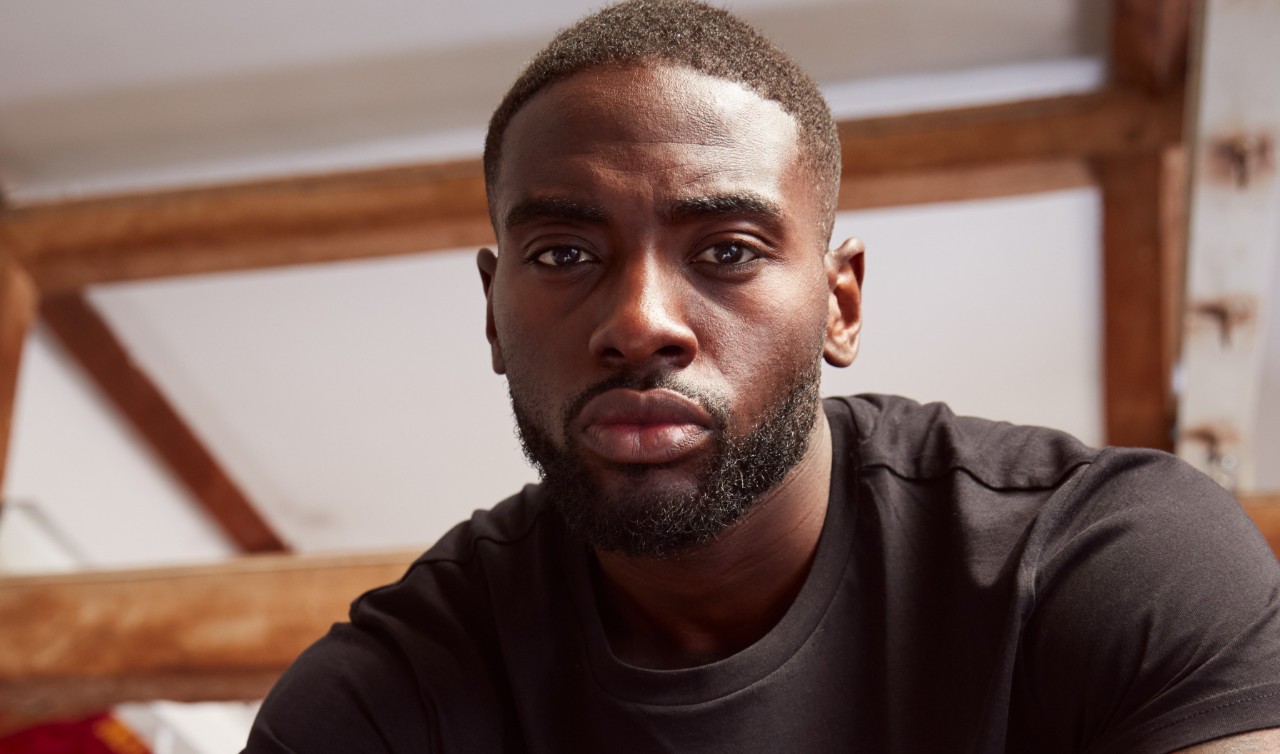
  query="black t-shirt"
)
[{"x": 978, "y": 587}]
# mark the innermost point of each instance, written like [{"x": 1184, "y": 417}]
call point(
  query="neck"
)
[{"x": 707, "y": 604}]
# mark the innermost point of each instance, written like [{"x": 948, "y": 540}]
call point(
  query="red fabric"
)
[{"x": 97, "y": 734}]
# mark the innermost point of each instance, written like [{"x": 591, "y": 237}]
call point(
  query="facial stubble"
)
[{"x": 641, "y": 520}]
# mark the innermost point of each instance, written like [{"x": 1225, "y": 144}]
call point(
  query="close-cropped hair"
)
[{"x": 686, "y": 33}]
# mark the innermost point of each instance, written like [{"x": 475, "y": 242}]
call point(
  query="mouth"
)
[{"x": 659, "y": 426}]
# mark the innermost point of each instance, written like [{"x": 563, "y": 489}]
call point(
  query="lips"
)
[{"x": 643, "y": 427}]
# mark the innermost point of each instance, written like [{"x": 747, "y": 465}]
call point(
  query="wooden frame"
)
[
  {"x": 1143, "y": 195},
  {"x": 191, "y": 633},
  {"x": 91, "y": 343},
  {"x": 18, "y": 299},
  {"x": 1234, "y": 241},
  {"x": 1027, "y": 146},
  {"x": 242, "y": 622}
]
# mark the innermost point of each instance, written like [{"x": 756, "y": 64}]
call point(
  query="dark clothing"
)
[{"x": 978, "y": 587}]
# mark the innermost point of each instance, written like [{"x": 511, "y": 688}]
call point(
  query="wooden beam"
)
[
  {"x": 203, "y": 633},
  {"x": 1143, "y": 238},
  {"x": 85, "y": 641},
  {"x": 1264, "y": 509},
  {"x": 264, "y": 224},
  {"x": 90, "y": 341},
  {"x": 1142, "y": 251},
  {"x": 18, "y": 299},
  {"x": 962, "y": 183},
  {"x": 1234, "y": 238},
  {"x": 1149, "y": 44},
  {"x": 70, "y": 245},
  {"x": 1079, "y": 126}
]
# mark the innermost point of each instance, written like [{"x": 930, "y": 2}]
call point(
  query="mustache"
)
[{"x": 716, "y": 406}]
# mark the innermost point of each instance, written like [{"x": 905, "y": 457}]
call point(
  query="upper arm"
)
[
  {"x": 1157, "y": 617},
  {"x": 1255, "y": 742}
]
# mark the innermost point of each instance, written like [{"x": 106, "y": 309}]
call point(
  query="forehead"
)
[{"x": 653, "y": 127}]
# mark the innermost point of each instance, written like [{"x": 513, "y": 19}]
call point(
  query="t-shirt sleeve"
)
[
  {"x": 348, "y": 693},
  {"x": 1156, "y": 618}
]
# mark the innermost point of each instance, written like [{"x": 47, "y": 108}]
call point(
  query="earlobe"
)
[
  {"x": 487, "y": 263},
  {"x": 844, "y": 310}
]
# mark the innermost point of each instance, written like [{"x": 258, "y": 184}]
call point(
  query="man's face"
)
[{"x": 660, "y": 301}]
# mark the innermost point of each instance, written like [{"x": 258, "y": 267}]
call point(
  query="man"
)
[{"x": 716, "y": 560}]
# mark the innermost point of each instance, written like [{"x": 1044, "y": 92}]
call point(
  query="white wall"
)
[
  {"x": 355, "y": 404},
  {"x": 994, "y": 307},
  {"x": 1267, "y": 458},
  {"x": 92, "y": 484}
]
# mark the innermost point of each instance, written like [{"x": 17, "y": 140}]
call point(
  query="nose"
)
[{"x": 643, "y": 318}]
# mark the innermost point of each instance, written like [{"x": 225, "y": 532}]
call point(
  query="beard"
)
[{"x": 663, "y": 523}]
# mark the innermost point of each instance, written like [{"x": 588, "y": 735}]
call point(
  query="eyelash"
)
[
  {"x": 752, "y": 250},
  {"x": 746, "y": 248},
  {"x": 535, "y": 257}
]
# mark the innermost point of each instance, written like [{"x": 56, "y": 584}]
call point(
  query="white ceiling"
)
[
  {"x": 353, "y": 401},
  {"x": 99, "y": 96}
]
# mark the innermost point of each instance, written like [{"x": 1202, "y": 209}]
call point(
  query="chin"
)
[
  {"x": 653, "y": 482},
  {"x": 664, "y": 510}
]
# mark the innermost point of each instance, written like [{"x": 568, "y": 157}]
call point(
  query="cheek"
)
[
  {"x": 512, "y": 325},
  {"x": 773, "y": 336},
  {"x": 538, "y": 344},
  {"x": 526, "y": 355},
  {"x": 515, "y": 317}
]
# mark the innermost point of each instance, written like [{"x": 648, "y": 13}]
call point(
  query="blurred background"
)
[{"x": 239, "y": 311}]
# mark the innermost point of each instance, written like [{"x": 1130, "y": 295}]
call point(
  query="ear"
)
[
  {"x": 487, "y": 262},
  {"x": 844, "y": 310}
]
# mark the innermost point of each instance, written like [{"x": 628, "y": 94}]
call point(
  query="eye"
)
[
  {"x": 563, "y": 256},
  {"x": 727, "y": 253}
]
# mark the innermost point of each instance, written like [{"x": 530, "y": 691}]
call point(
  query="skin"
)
[
  {"x": 729, "y": 295},
  {"x": 640, "y": 289},
  {"x": 1256, "y": 742}
]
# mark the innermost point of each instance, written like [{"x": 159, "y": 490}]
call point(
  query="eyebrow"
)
[
  {"x": 689, "y": 208},
  {"x": 749, "y": 204},
  {"x": 552, "y": 208}
]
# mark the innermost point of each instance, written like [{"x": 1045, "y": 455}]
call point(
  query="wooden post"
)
[
  {"x": 1264, "y": 509},
  {"x": 18, "y": 300},
  {"x": 1142, "y": 238},
  {"x": 1142, "y": 266},
  {"x": 89, "y": 340},
  {"x": 1234, "y": 237},
  {"x": 1149, "y": 44}
]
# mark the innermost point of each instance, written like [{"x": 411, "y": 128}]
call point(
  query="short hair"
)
[{"x": 688, "y": 33}]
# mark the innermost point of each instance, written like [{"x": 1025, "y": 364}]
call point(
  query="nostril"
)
[{"x": 670, "y": 352}]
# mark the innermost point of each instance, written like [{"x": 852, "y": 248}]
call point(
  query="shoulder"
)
[
  {"x": 449, "y": 597},
  {"x": 1146, "y": 605},
  {"x": 1153, "y": 498},
  {"x": 916, "y": 441},
  {"x": 1155, "y": 600},
  {"x": 509, "y": 531},
  {"x": 958, "y": 487},
  {"x": 1070, "y": 501},
  {"x": 419, "y": 666},
  {"x": 1154, "y": 617}
]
